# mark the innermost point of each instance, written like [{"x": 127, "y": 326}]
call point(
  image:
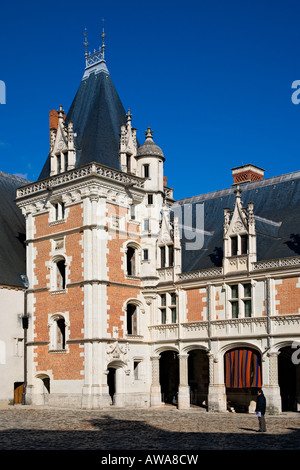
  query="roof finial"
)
[
  {"x": 103, "y": 35},
  {"x": 85, "y": 45},
  {"x": 149, "y": 134}
]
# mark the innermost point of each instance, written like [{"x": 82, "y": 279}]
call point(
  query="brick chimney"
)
[
  {"x": 53, "y": 119},
  {"x": 247, "y": 174}
]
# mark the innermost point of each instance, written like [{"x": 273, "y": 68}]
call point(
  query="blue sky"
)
[{"x": 211, "y": 78}]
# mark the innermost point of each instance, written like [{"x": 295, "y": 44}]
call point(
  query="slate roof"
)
[
  {"x": 277, "y": 221},
  {"x": 12, "y": 232},
  {"x": 97, "y": 114}
]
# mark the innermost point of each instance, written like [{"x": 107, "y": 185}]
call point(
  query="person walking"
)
[{"x": 260, "y": 410}]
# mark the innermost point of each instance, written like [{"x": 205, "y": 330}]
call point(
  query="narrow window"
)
[
  {"x": 145, "y": 255},
  {"x": 59, "y": 208},
  {"x": 163, "y": 304},
  {"x": 132, "y": 212},
  {"x": 235, "y": 301},
  {"x": 162, "y": 256},
  {"x": 247, "y": 300},
  {"x": 65, "y": 157},
  {"x": 234, "y": 246},
  {"x": 131, "y": 255},
  {"x": 247, "y": 290},
  {"x": 171, "y": 255},
  {"x": 56, "y": 206},
  {"x": 150, "y": 198},
  {"x": 244, "y": 244},
  {"x": 128, "y": 163},
  {"x": 58, "y": 160},
  {"x": 136, "y": 371},
  {"x": 61, "y": 333},
  {"x": 146, "y": 171},
  {"x": 60, "y": 275},
  {"x": 131, "y": 319},
  {"x": 146, "y": 225},
  {"x": 173, "y": 308}
]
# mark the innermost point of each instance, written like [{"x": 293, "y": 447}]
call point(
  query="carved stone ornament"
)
[
  {"x": 117, "y": 352},
  {"x": 238, "y": 226}
]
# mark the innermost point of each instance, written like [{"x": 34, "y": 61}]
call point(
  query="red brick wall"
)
[
  {"x": 288, "y": 295},
  {"x": 64, "y": 365},
  {"x": 117, "y": 295},
  {"x": 74, "y": 220},
  {"x": 195, "y": 304},
  {"x": 116, "y": 261}
]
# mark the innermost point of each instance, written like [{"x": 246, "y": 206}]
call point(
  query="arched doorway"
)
[
  {"x": 198, "y": 377},
  {"x": 41, "y": 389},
  {"x": 116, "y": 383},
  {"x": 111, "y": 382},
  {"x": 289, "y": 379},
  {"x": 169, "y": 376},
  {"x": 242, "y": 369}
]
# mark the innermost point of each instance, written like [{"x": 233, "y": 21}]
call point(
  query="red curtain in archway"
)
[{"x": 242, "y": 368}]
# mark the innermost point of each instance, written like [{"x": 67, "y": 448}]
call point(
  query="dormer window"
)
[
  {"x": 166, "y": 256},
  {"x": 239, "y": 236}
]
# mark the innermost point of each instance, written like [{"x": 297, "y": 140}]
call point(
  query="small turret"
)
[{"x": 150, "y": 160}]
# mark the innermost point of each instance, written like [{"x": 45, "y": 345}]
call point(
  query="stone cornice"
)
[{"x": 93, "y": 169}]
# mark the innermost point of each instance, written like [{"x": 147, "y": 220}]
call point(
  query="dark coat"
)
[{"x": 261, "y": 404}]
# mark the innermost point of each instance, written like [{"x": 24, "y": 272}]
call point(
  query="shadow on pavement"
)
[{"x": 111, "y": 434}]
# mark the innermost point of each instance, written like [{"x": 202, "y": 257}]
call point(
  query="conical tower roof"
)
[{"x": 97, "y": 114}]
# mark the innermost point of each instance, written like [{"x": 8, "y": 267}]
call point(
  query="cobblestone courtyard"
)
[{"x": 35, "y": 428}]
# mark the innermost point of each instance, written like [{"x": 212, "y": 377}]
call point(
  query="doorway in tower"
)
[
  {"x": 111, "y": 382},
  {"x": 169, "y": 376},
  {"x": 242, "y": 367},
  {"x": 289, "y": 378},
  {"x": 198, "y": 377}
]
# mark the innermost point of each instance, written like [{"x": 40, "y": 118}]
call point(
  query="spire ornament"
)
[
  {"x": 85, "y": 46},
  {"x": 95, "y": 61},
  {"x": 103, "y": 36}
]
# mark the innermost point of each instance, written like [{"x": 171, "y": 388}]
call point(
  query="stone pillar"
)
[
  {"x": 155, "y": 393},
  {"x": 271, "y": 389},
  {"x": 216, "y": 390},
  {"x": 183, "y": 390}
]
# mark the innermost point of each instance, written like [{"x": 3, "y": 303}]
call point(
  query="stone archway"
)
[
  {"x": 41, "y": 389},
  {"x": 169, "y": 376},
  {"x": 289, "y": 378},
  {"x": 198, "y": 377},
  {"x": 242, "y": 377}
]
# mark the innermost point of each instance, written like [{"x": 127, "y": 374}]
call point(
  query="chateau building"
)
[{"x": 136, "y": 299}]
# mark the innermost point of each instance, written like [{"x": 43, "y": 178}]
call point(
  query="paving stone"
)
[{"x": 48, "y": 428}]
